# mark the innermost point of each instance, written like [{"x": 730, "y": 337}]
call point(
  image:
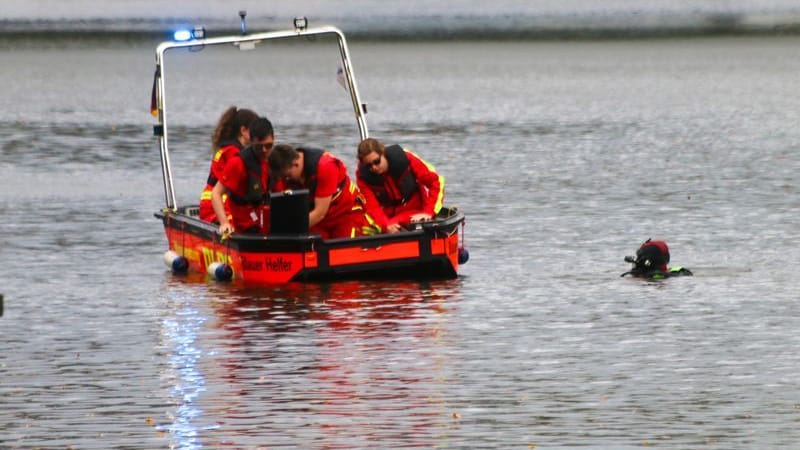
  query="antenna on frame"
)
[{"x": 242, "y": 15}]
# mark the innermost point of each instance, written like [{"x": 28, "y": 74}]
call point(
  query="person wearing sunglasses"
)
[
  {"x": 230, "y": 136},
  {"x": 399, "y": 186},
  {"x": 245, "y": 182},
  {"x": 337, "y": 206}
]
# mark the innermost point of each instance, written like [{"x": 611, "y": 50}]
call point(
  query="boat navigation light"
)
[
  {"x": 188, "y": 35},
  {"x": 300, "y": 23}
]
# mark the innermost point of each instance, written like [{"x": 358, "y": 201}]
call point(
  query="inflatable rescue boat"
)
[{"x": 432, "y": 249}]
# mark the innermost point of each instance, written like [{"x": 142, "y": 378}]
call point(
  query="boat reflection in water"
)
[{"x": 340, "y": 365}]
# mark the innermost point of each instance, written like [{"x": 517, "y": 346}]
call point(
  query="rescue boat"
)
[{"x": 430, "y": 250}]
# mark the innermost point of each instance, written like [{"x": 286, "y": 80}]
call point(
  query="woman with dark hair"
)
[{"x": 230, "y": 136}]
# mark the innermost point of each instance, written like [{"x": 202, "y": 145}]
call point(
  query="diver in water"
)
[{"x": 651, "y": 262}]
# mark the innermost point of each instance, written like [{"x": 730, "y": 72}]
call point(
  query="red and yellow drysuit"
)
[
  {"x": 246, "y": 177},
  {"x": 410, "y": 186},
  {"x": 226, "y": 151},
  {"x": 326, "y": 176}
]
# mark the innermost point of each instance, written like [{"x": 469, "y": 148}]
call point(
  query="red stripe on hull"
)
[
  {"x": 447, "y": 246},
  {"x": 359, "y": 255}
]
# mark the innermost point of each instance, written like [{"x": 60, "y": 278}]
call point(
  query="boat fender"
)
[
  {"x": 176, "y": 262},
  {"x": 220, "y": 271},
  {"x": 463, "y": 255}
]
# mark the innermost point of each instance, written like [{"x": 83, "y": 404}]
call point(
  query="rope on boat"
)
[
  {"x": 177, "y": 263},
  {"x": 221, "y": 271},
  {"x": 463, "y": 253}
]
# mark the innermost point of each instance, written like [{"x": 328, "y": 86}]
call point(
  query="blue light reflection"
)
[{"x": 188, "y": 382}]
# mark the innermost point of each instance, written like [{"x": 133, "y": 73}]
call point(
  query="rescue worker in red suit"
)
[
  {"x": 230, "y": 136},
  {"x": 399, "y": 186},
  {"x": 245, "y": 181},
  {"x": 337, "y": 208}
]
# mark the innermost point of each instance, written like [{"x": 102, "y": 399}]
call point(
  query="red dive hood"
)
[{"x": 653, "y": 255}]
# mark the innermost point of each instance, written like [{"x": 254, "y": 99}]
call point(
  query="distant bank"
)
[{"x": 434, "y": 27}]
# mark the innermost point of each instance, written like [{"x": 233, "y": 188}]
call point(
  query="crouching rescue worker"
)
[
  {"x": 399, "y": 186},
  {"x": 337, "y": 207},
  {"x": 245, "y": 181},
  {"x": 651, "y": 262}
]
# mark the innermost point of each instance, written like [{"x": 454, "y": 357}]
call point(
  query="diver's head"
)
[{"x": 651, "y": 256}]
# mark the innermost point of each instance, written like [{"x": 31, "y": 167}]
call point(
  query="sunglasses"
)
[
  {"x": 267, "y": 146},
  {"x": 374, "y": 162}
]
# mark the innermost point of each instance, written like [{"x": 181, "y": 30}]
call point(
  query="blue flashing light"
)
[{"x": 182, "y": 35}]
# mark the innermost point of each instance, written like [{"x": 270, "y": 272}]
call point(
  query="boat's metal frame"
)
[{"x": 244, "y": 41}]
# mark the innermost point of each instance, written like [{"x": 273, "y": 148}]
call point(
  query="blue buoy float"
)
[
  {"x": 463, "y": 255},
  {"x": 176, "y": 262},
  {"x": 220, "y": 271}
]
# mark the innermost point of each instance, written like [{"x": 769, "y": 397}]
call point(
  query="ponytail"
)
[{"x": 229, "y": 124}]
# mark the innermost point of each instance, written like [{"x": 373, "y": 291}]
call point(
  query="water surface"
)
[{"x": 564, "y": 156}]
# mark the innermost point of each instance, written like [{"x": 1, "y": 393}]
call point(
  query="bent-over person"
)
[{"x": 399, "y": 186}]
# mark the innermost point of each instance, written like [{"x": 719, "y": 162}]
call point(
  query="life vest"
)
[
  {"x": 660, "y": 274},
  {"x": 212, "y": 180},
  {"x": 399, "y": 170},
  {"x": 311, "y": 157},
  {"x": 256, "y": 193}
]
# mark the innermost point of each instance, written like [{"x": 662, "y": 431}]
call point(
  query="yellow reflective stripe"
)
[
  {"x": 439, "y": 199},
  {"x": 437, "y": 206},
  {"x": 373, "y": 225},
  {"x": 352, "y": 188},
  {"x": 217, "y": 155},
  {"x": 206, "y": 195},
  {"x": 369, "y": 231}
]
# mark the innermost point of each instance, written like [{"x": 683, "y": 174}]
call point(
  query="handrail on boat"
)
[{"x": 246, "y": 41}]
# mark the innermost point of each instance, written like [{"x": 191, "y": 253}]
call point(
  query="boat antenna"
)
[{"x": 242, "y": 15}]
